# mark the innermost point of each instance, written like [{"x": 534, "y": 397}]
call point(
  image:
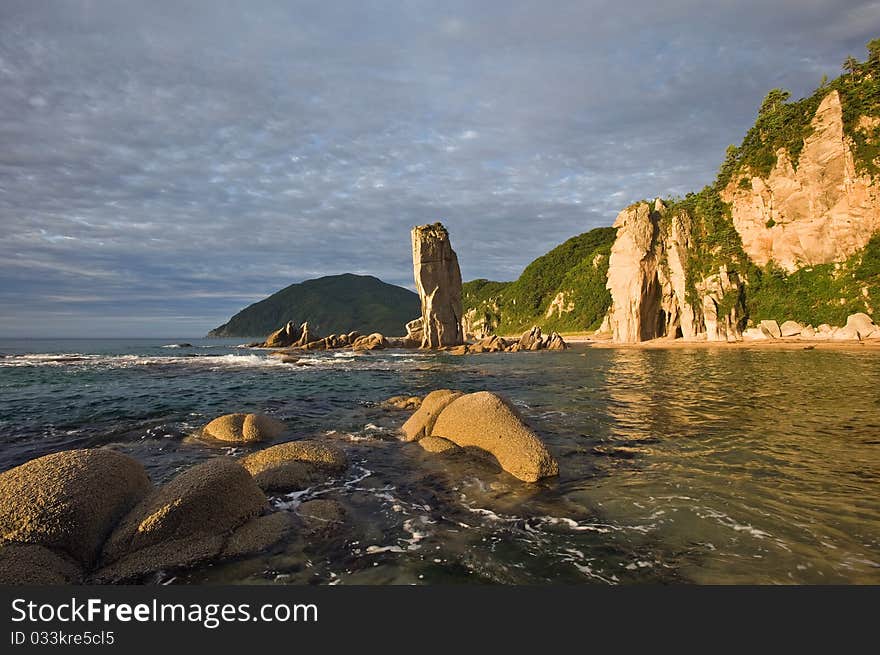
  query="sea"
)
[{"x": 708, "y": 466}]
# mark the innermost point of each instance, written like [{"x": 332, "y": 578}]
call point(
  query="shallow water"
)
[{"x": 706, "y": 466}]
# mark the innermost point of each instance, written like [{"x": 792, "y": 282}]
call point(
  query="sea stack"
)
[{"x": 438, "y": 281}]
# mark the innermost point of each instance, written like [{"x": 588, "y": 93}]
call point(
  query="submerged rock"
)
[
  {"x": 244, "y": 428},
  {"x": 438, "y": 281},
  {"x": 437, "y": 445},
  {"x": 486, "y": 421},
  {"x": 322, "y": 517},
  {"x": 419, "y": 424},
  {"x": 402, "y": 402},
  {"x": 69, "y": 501}
]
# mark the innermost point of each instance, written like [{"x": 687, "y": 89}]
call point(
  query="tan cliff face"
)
[
  {"x": 647, "y": 278},
  {"x": 438, "y": 281},
  {"x": 822, "y": 211}
]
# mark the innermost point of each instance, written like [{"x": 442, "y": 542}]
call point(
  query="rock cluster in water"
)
[
  {"x": 94, "y": 516},
  {"x": 531, "y": 340}
]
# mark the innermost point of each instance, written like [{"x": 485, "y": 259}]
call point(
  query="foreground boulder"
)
[
  {"x": 294, "y": 465},
  {"x": 244, "y": 428},
  {"x": 438, "y": 281},
  {"x": 30, "y": 564},
  {"x": 186, "y": 521},
  {"x": 69, "y": 501},
  {"x": 422, "y": 421},
  {"x": 485, "y": 421}
]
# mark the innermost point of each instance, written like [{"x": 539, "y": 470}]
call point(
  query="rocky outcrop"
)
[
  {"x": 69, "y": 502},
  {"x": 438, "y": 281},
  {"x": 286, "y": 336},
  {"x": 244, "y": 428},
  {"x": 816, "y": 210},
  {"x": 487, "y": 422},
  {"x": 648, "y": 280}
]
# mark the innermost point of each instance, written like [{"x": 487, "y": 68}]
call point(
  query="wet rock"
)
[
  {"x": 437, "y": 445},
  {"x": 402, "y": 402},
  {"x": 373, "y": 341},
  {"x": 294, "y": 465},
  {"x": 486, "y": 421},
  {"x": 322, "y": 516},
  {"x": 556, "y": 342},
  {"x": 257, "y": 535},
  {"x": 420, "y": 423},
  {"x": 244, "y": 428},
  {"x": 284, "y": 337},
  {"x": 70, "y": 501},
  {"x": 184, "y": 521},
  {"x": 30, "y": 564}
]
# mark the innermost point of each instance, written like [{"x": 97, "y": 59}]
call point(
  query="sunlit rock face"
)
[
  {"x": 647, "y": 278},
  {"x": 814, "y": 211},
  {"x": 438, "y": 281}
]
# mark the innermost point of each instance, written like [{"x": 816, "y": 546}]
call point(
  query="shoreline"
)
[{"x": 589, "y": 340}]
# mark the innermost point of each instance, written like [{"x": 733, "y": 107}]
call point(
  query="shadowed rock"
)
[
  {"x": 69, "y": 501},
  {"x": 185, "y": 521},
  {"x": 294, "y": 465},
  {"x": 30, "y": 564}
]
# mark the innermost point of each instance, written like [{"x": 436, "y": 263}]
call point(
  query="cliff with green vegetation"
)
[
  {"x": 788, "y": 230},
  {"x": 332, "y": 304},
  {"x": 563, "y": 290}
]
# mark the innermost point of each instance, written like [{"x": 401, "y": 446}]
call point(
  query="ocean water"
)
[{"x": 686, "y": 466}]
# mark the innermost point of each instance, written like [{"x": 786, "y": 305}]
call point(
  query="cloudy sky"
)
[{"x": 163, "y": 164}]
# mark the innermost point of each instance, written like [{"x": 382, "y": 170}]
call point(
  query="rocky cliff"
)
[
  {"x": 790, "y": 230},
  {"x": 652, "y": 292},
  {"x": 815, "y": 210},
  {"x": 438, "y": 281}
]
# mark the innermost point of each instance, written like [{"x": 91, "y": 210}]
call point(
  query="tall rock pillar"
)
[{"x": 438, "y": 281}]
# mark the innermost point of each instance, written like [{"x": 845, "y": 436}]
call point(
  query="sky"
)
[{"x": 164, "y": 164}]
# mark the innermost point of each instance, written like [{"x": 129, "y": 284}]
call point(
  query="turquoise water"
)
[{"x": 705, "y": 466}]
